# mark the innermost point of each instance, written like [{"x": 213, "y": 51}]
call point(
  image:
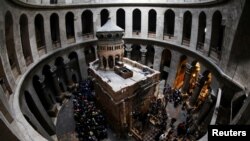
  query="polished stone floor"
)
[{"x": 66, "y": 125}]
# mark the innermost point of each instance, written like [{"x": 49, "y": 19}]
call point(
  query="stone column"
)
[
  {"x": 128, "y": 23},
  {"x": 157, "y": 57},
  {"x": 144, "y": 23},
  {"x": 107, "y": 63},
  {"x": 101, "y": 62},
  {"x": 18, "y": 47},
  {"x": 78, "y": 26},
  {"x": 178, "y": 26},
  {"x": 188, "y": 73},
  {"x": 32, "y": 40},
  {"x": 52, "y": 106},
  {"x": 96, "y": 21},
  {"x": 82, "y": 63},
  {"x": 174, "y": 66},
  {"x": 62, "y": 28},
  {"x": 198, "y": 86},
  {"x": 143, "y": 51},
  {"x": 159, "y": 25},
  {"x": 59, "y": 93},
  {"x": 47, "y": 34},
  {"x": 96, "y": 54},
  {"x": 204, "y": 110},
  {"x": 67, "y": 68},
  {"x": 128, "y": 50},
  {"x": 208, "y": 34},
  {"x": 194, "y": 31}
]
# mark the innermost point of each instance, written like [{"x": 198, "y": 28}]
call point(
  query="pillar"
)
[
  {"x": 82, "y": 63},
  {"x": 159, "y": 25},
  {"x": 78, "y": 26},
  {"x": 128, "y": 22},
  {"x": 62, "y": 28},
  {"x": 47, "y": 34},
  {"x": 143, "y": 51},
  {"x": 194, "y": 31},
  {"x": 204, "y": 110},
  {"x": 52, "y": 106},
  {"x": 157, "y": 57},
  {"x": 198, "y": 86},
  {"x": 208, "y": 34},
  {"x": 59, "y": 93},
  {"x": 178, "y": 26},
  {"x": 32, "y": 40},
  {"x": 174, "y": 66},
  {"x": 188, "y": 73},
  {"x": 144, "y": 23},
  {"x": 68, "y": 75},
  {"x": 18, "y": 47},
  {"x": 128, "y": 50}
]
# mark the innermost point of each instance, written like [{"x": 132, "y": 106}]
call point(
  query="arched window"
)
[
  {"x": 137, "y": 21},
  {"x": 10, "y": 45},
  {"x": 169, "y": 21},
  {"x": 187, "y": 25},
  {"x": 120, "y": 18},
  {"x": 55, "y": 32},
  {"x": 87, "y": 23},
  {"x": 24, "y": 33},
  {"x": 152, "y": 22},
  {"x": 39, "y": 28},
  {"x": 70, "y": 31},
  {"x": 217, "y": 36},
  {"x": 104, "y": 16},
  {"x": 201, "y": 31}
]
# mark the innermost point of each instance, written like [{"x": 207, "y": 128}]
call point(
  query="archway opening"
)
[
  {"x": 180, "y": 72},
  {"x": 87, "y": 24},
  {"x": 104, "y": 16},
  {"x": 201, "y": 31},
  {"x": 152, "y": 23},
  {"x": 165, "y": 63},
  {"x": 120, "y": 18},
  {"x": 169, "y": 21},
  {"x": 70, "y": 31},
  {"x": 40, "y": 38},
  {"x": 136, "y": 53}
]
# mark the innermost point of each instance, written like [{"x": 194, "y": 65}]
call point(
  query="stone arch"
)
[
  {"x": 36, "y": 112},
  {"x": 165, "y": 63},
  {"x": 217, "y": 35},
  {"x": 60, "y": 71},
  {"x": 152, "y": 21},
  {"x": 187, "y": 28},
  {"x": 136, "y": 53},
  {"x": 120, "y": 18},
  {"x": 55, "y": 31},
  {"x": 24, "y": 33},
  {"x": 137, "y": 21},
  {"x": 201, "y": 31},
  {"x": 180, "y": 72},
  {"x": 169, "y": 22},
  {"x": 70, "y": 29},
  {"x": 48, "y": 79},
  {"x": 10, "y": 44},
  {"x": 87, "y": 22},
  {"x": 104, "y": 16},
  {"x": 39, "y": 32}
]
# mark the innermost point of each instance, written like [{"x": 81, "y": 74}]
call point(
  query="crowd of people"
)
[
  {"x": 181, "y": 130},
  {"x": 90, "y": 122}
]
